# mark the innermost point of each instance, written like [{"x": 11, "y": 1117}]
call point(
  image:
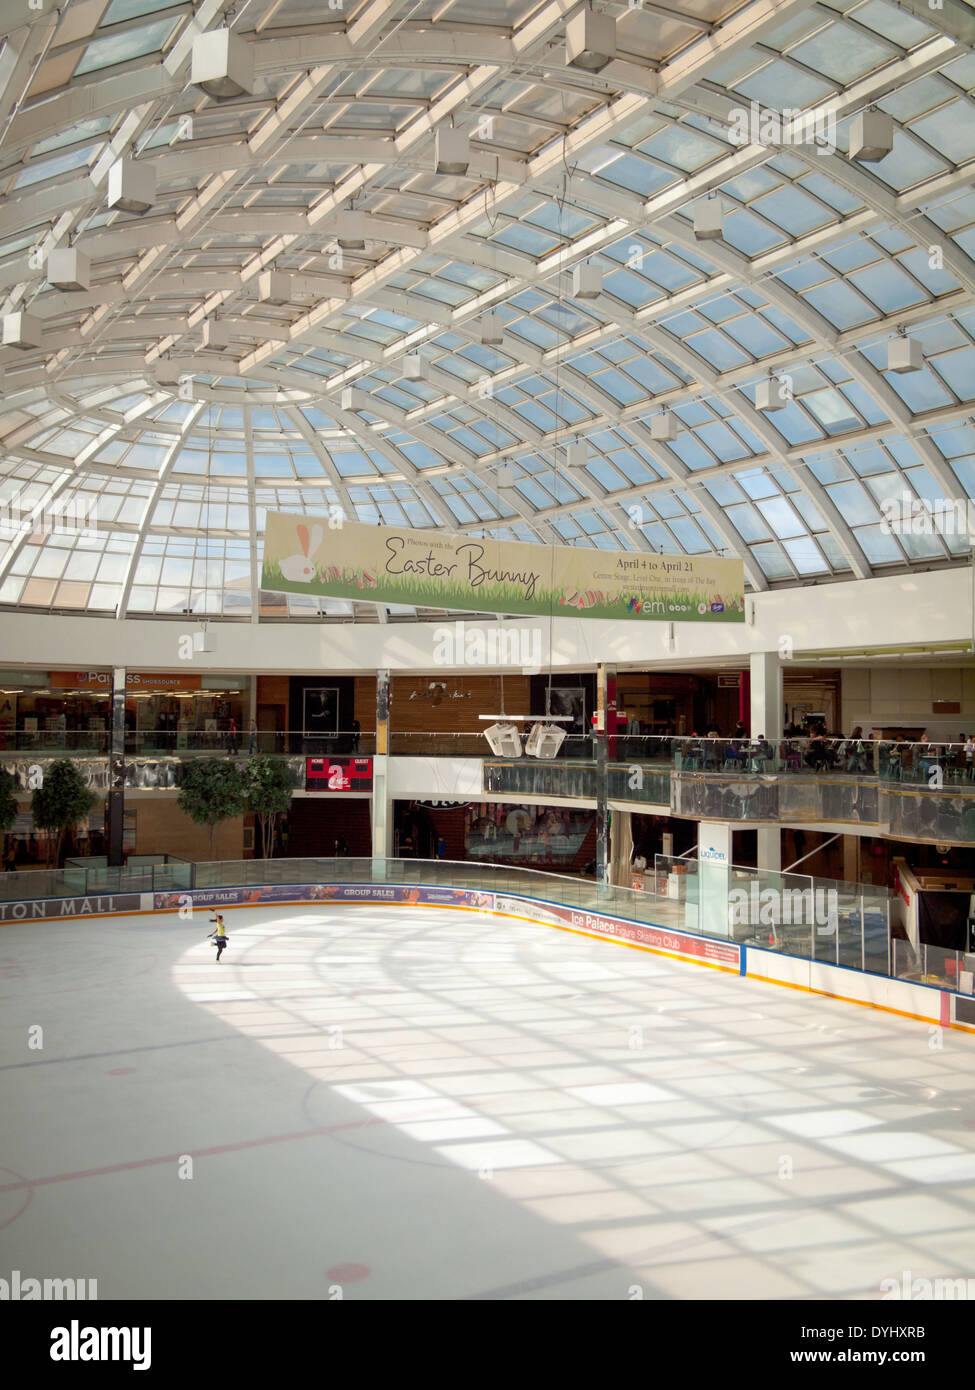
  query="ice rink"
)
[{"x": 406, "y": 1102}]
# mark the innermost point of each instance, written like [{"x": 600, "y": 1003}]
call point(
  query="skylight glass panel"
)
[
  {"x": 121, "y": 48},
  {"x": 60, "y": 164},
  {"x": 773, "y": 561},
  {"x": 842, "y": 53},
  {"x": 879, "y": 547},
  {"x": 805, "y": 555},
  {"x": 792, "y": 210},
  {"x": 748, "y": 523},
  {"x": 755, "y": 336},
  {"x": 919, "y": 391},
  {"x": 887, "y": 286},
  {"x": 682, "y": 147},
  {"x": 780, "y": 86},
  {"x": 840, "y": 304},
  {"x": 957, "y": 370},
  {"x": 748, "y": 234}
]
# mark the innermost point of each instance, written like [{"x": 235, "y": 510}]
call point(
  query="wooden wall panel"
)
[
  {"x": 459, "y": 716},
  {"x": 162, "y": 828},
  {"x": 365, "y": 703}
]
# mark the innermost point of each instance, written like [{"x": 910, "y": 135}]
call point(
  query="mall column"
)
[
  {"x": 116, "y": 770},
  {"x": 381, "y": 817},
  {"x": 714, "y": 859},
  {"x": 765, "y": 708},
  {"x": 605, "y": 728}
]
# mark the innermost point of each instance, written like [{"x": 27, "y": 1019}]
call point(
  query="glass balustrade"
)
[{"x": 817, "y": 919}]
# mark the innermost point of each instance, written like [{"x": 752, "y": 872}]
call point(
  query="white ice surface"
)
[{"x": 422, "y": 1103}]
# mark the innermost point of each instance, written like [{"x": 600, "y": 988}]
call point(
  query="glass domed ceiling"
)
[{"x": 172, "y": 448}]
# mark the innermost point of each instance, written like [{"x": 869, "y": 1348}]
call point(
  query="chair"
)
[
  {"x": 736, "y": 757},
  {"x": 693, "y": 758}
]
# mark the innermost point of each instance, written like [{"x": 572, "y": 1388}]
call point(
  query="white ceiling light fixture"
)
[
  {"x": 504, "y": 475},
  {"x": 577, "y": 454},
  {"x": 131, "y": 186},
  {"x": 68, "y": 269},
  {"x": 492, "y": 330},
  {"x": 904, "y": 354},
  {"x": 504, "y": 739},
  {"x": 22, "y": 331},
  {"x": 771, "y": 395},
  {"x": 453, "y": 150},
  {"x": 204, "y": 640},
  {"x": 544, "y": 741},
  {"x": 222, "y": 64},
  {"x": 587, "y": 281},
  {"x": 590, "y": 41},
  {"x": 709, "y": 219},
  {"x": 216, "y": 335},
  {"x": 413, "y": 367},
  {"x": 663, "y": 427},
  {"x": 350, "y": 230},
  {"x": 275, "y": 288},
  {"x": 871, "y": 136},
  {"x": 348, "y": 398}
]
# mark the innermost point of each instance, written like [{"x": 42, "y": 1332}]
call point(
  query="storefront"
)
[{"x": 71, "y": 711}]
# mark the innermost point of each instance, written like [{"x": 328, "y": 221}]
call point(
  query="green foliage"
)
[
  {"x": 269, "y": 792},
  {"x": 8, "y": 800},
  {"x": 63, "y": 800},
  {"x": 211, "y": 790}
]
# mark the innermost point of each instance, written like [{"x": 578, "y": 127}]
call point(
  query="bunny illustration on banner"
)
[{"x": 300, "y": 569}]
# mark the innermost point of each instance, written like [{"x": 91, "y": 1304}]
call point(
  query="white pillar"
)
[
  {"x": 770, "y": 848},
  {"x": 766, "y": 695},
  {"x": 714, "y": 857}
]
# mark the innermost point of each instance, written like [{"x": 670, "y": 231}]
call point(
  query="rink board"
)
[{"x": 927, "y": 1003}]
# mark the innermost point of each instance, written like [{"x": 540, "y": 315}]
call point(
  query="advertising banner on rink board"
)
[
  {"x": 428, "y": 569},
  {"x": 720, "y": 953},
  {"x": 407, "y": 894}
]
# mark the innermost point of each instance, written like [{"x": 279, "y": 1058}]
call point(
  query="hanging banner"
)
[{"x": 427, "y": 569}]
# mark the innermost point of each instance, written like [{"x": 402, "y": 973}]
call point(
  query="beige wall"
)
[
  {"x": 891, "y": 693},
  {"x": 162, "y": 828}
]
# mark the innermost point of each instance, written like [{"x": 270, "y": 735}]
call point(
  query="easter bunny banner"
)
[{"x": 429, "y": 569}]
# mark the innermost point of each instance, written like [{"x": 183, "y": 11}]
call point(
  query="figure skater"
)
[{"x": 219, "y": 935}]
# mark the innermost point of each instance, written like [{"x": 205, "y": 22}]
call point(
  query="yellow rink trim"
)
[{"x": 533, "y": 921}]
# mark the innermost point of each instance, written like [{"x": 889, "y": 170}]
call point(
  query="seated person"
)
[
  {"x": 736, "y": 755},
  {"x": 856, "y": 753},
  {"x": 761, "y": 753},
  {"x": 816, "y": 755}
]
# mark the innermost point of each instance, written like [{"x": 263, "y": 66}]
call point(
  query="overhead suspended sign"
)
[{"x": 428, "y": 569}]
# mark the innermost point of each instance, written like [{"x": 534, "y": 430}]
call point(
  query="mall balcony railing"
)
[
  {"x": 799, "y": 915},
  {"x": 913, "y": 791}
]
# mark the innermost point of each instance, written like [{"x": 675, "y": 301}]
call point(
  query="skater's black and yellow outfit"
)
[{"x": 219, "y": 937}]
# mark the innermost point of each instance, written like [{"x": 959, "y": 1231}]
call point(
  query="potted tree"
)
[
  {"x": 9, "y": 809},
  {"x": 62, "y": 800},
  {"x": 270, "y": 788},
  {"x": 211, "y": 790}
]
